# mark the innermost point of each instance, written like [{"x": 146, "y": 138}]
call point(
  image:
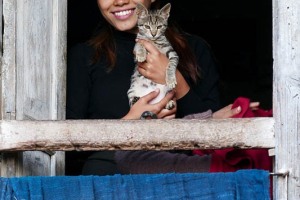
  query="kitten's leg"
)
[
  {"x": 139, "y": 87},
  {"x": 171, "y": 71},
  {"x": 140, "y": 52},
  {"x": 131, "y": 93},
  {"x": 134, "y": 100}
]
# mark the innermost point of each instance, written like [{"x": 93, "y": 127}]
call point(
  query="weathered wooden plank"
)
[
  {"x": 58, "y": 59},
  {"x": 8, "y": 62},
  {"x": 40, "y": 57},
  {"x": 1, "y": 53},
  {"x": 1, "y": 13},
  {"x": 286, "y": 96},
  {"x": 10, "y": 163},
  {"x": 83, "y": 135},
  {"x": 34, "y": 73}
]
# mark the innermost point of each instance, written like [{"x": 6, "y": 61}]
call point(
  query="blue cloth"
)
[{"x": 240, "y": 185}]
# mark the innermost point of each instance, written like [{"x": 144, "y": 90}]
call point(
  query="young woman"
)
[{"x": 99, "y": 74}]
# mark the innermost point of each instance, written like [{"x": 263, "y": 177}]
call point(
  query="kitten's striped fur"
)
[{"x": 152, "y": 25}]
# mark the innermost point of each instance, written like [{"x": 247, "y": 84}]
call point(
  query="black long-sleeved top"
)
[{"x": 92, "y": 93}]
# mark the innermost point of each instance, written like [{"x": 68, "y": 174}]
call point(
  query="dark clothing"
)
[
  {"x": 101, "y": 163},
  {"x": 154, "y": 162},
  {"x": 94, "y": 93}
]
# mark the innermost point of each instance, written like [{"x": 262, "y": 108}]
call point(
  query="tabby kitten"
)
[{"x": 152, "y": 25}]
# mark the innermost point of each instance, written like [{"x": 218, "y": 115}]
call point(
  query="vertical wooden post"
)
[
  {"x": 34, "y": 74},
  {"x": 286, "y": 96},
  {"x": 1, "y": 56},
  {"x": 10, "y": 163}
]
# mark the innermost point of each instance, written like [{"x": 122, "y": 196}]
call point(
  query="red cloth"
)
[
  {"x": 231, "y": 159},
  {"x": 247, "y": 112}
]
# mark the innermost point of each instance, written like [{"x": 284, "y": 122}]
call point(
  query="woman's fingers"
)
[
  {"x": 169, "y": 96},
  {"x": 157, "y": 107},
  {"x": 155, "y": 66},
  {"x": 254, "y": 105},
  {"x": 226, "y": 112},
  {"x": 147, "y": 98},
  {"x": 149, "y": 46},
  {"x": 168, "y": 113},
  {"x": 172, "y": 116}
]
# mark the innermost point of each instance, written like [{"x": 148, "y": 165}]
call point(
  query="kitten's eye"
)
[
  {"x": 159, "y": 27},
  {"x": 147, "y": 27}
]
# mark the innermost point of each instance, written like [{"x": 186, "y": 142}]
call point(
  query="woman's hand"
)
[
  {"x": 155, "y": 66},
  {"x": 143, "y": 105},
  {"x": 227, "y": 112}
]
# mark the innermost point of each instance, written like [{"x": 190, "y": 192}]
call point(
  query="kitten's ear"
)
[
  {"x": 141, "y": 10},
  {"x": 165, "y": 11}
]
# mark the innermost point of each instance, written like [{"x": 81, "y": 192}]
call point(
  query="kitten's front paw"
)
[
  {"x": 141, "y": 55},
  {"x": 171, "y": 79},
  {"x": 170, "y": 105},
  {"x": 171, "y": 83}
]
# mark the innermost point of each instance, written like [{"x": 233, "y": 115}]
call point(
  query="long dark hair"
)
[{"x": 104, "y": 44}]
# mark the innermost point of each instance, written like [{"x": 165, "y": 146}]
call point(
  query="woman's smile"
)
[{"x": 124, "y": 14}]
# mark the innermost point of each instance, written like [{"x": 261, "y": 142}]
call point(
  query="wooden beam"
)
[{"x": 84, "y": 135}]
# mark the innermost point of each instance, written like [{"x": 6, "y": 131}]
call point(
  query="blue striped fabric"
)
[{"x": 240, "y": 185}]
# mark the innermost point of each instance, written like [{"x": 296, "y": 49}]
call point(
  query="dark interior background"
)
[{"x": 238, "y": 31}]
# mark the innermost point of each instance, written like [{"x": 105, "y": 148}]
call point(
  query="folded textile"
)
[
  {"x": 6, "y": 189},
  {"x": 246, "y": 111},
  {"x": 231, "y": 159},
  {"x": 240, "y": 185}
]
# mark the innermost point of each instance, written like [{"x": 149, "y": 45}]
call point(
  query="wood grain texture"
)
[
  {"x": 34, "y": 78},
  {"x": 84, "y": 135},
  {"x": 8, "y": 62},
  {"x": 286, "y": 96}
]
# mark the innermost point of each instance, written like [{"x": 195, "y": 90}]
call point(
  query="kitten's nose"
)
[{"x": 153, "y": 33}]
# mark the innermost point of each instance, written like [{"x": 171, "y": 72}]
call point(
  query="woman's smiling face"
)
[{"x": 121, "y": 13}]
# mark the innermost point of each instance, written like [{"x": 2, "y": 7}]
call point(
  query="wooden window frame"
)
[{"x": 281, "y": 132}]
